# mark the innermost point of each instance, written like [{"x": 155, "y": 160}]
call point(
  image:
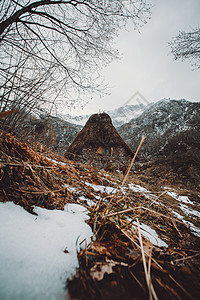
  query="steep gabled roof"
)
[{"x": 98, "y": 131}]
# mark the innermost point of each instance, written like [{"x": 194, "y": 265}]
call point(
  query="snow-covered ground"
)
[
  {"x": 179, "y": 198},
  {"x": 183, "y": 203},
  {"x": 33, "y": 264},
  {"x": 149, "y": 233},
  {"x": 138, "y": 188},
  {"x": 188, "y": 209}
]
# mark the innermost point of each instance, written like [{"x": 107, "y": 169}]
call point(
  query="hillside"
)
[
  {"x": 133, "y": 222},
  {"x": 171, "y": 128},
  {"x": 162, "y": 120},
  {"x": 57, "y": 134},
  {"x": 172, "y": 131}
]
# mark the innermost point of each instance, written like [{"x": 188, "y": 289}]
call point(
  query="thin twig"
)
[
  {"x": 148, "y": 279},
  {"x": 185, "y": 258},
  {"x": 137, "y": 280},
  {"x": 176, "y": 228},
  {"x": 132, "y": 162},
  {"x": 155, "y": 212},
  {"x": 126, "y": 175},
  {"x": 122, "y": 211}
]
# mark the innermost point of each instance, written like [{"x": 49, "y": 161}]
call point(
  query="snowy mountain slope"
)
[
  {"x": 172, "y": 143},
  {"x": 126, "y": 113},
  {"x": 162, "y": 121},
  {"x": 119, "y": 115}
]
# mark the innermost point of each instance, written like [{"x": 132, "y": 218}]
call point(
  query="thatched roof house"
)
[{"x": 100, "y": 143}]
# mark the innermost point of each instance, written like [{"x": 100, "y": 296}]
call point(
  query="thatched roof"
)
[{"x": 98, "y": 131}]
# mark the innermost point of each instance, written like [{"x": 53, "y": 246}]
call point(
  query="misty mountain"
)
[
  {"x": 162, "y": 121},
  {"x": 119, "y": 115},
  {"x": 172, "y": 144}
]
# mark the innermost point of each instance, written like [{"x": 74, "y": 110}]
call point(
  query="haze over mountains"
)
[{"x": 119, "y": 115}]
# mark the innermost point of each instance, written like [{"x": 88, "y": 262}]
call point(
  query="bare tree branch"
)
[
  {"x": 186, "y": 45},
  {"x": 56, "y": 47}
]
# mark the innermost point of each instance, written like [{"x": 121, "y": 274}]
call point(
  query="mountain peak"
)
[
  {"x": 119, "y": 116},
  {"x": 162, "y": 121}
]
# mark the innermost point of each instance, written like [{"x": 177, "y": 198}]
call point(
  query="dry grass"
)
[
  {"x": 39, "y": 177},
  {"x": 109, "y": 216}
]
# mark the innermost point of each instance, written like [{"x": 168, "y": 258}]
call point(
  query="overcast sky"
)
[{"x": 147, "y": 65}]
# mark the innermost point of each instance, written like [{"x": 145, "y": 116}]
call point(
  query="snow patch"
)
[
  {"x": 89, "y": 201},
  {"x": 55, "y": 161},
  {"x": 139, "y": 189},
  {"x": 102, "y": 188},
  {"x": 189, "y": 211},
  {"x": 177, "y": 197},
  {"x": 70, "y": 188},
  {"x": 195, "y": 230},
  {"x": 32, "y": 259},
  {"x": 150, "y": 234}
]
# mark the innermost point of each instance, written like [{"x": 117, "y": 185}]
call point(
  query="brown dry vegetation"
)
[
  {"x": 30, "y": 177},
  {"x": 98, "y": 131},
  {"x": 112, "y": 267},
  {"x": 118, "y": 263}
]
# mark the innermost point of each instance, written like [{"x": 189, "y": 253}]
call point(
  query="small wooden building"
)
[{"x": 100, "y": 144}]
